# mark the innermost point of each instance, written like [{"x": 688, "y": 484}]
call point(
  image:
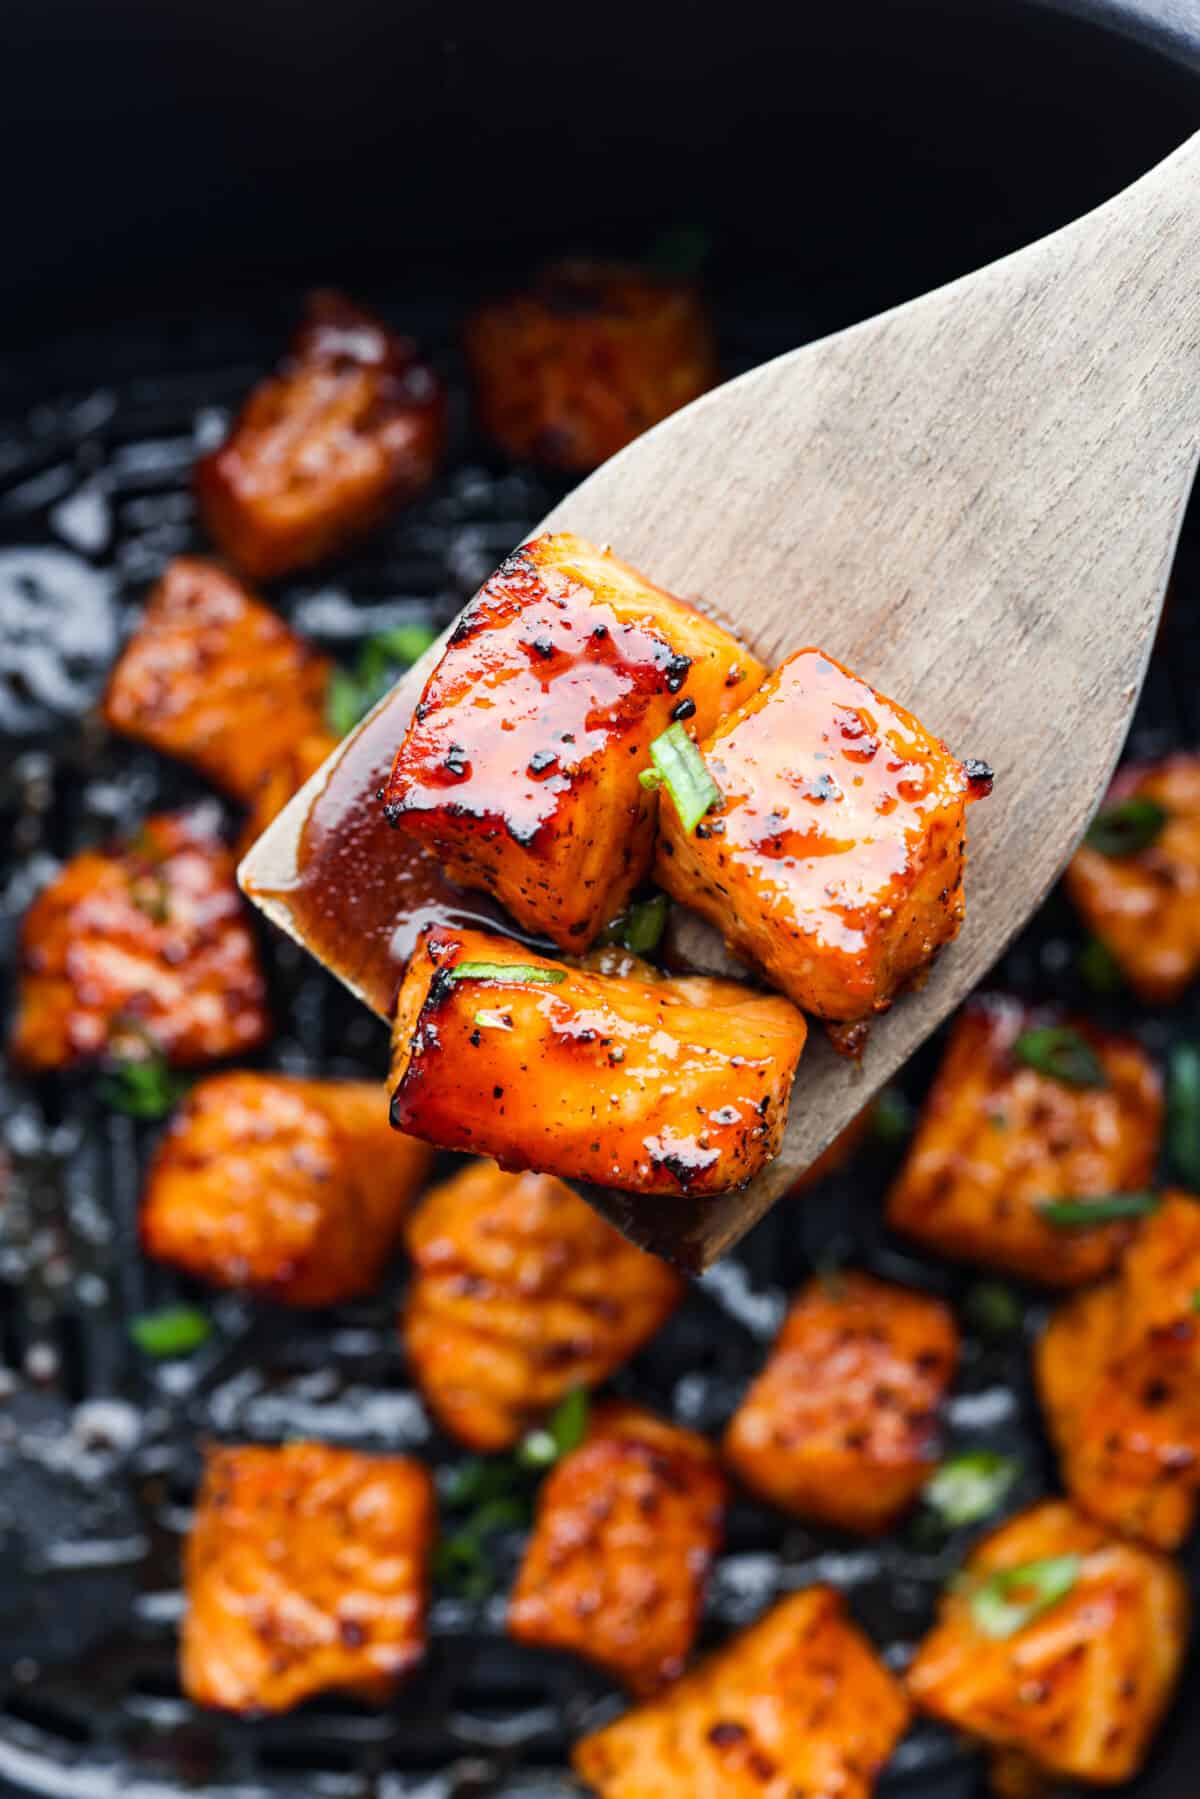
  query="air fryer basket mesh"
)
[{"x": 99, "y": 1447}]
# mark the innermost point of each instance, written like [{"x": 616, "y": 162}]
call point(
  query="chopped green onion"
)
[
  {"x": 1099, "y": 968},
  {"x": 683, "y": 769},
  {"x": 1078, "y": 1214},
  {"x": 993, "y": 1309},
  {"x": 640, "y": 927},
  {"x": 522, "y": 973},
  {"x": 650, "y": 779},
  {"x": 1059, "y": 1051},
  {"x": 891, "y": 1116},
  {"x": 493, "y": 1021},
  {"x": 563, "y": 1431},
  {"x": 1196, "y": 1300},
  {"x": 1124, "y": 829},
  {"x": 175, "y": 1331},
  {"x": 350, "y": 694},
  {"x": 460, "y": 1560},
  {"x": 1011, "y": 1598},
  {"x": 970, "y": 1486},
  {"x": 141, "y": 1086},
  {"x": 1183, "y": 1112}
]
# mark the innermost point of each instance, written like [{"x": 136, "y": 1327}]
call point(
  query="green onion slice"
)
[
  {"x": 350, "y": 694},
  {"x": 681, "y": 766},
  {"x": 175, "y": 1331},
  {"x": 1059, "y": 1051},
  {"x": 1183, "y": 1112},
  {"x": 1124, "y": 829},
  {"x": 141, "y": 1087},
  {"x": 1099, "y": 968},
  {"x": 563, "y": 1431},
  {"x": 1011, "y": 1598},
  {"x": 1078, "y": 1214},
  {"x": 970, "y": 1486},
  {"x": 522, "y": 973},
  {"x": 640, "y": 927},
  {"x": 493, "y": 1021},
  {"x": 993, "y": 1309}
]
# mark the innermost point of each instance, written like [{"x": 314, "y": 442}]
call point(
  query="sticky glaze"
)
[
  {"x": 522, "y": 760},
  {"x": 835, "y": 859},
  {"x": 654, "y": 1086},
  {"x": 362, "y": 892}
]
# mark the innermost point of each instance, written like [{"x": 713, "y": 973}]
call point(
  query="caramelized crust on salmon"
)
[
  {"x": 841, "y": 1425},
  {"x": 521, "y": 763},
  {"x": 1080, "y": 1687},
  {"x": 998, "y": 1139},
  {"x": 213, "y": 676},
  {"x": 141, "y": 945},
  {"x": 594, "y": 353},
  {"x": 351, "y": 426},
  {"x": 654, "y": 1085},
  {"x": 1119, "y": 1374},
  {"x": 798, "y": 1704},
  {"x": 1146, "y": 905},
  {"x": 295, "y": 1189},
  {"x": 627, "y": 1528},
  {"x": 305, "y": 1572},
  {"x": 834, "y": 858},
  {"x": 520, "y": 1293}
]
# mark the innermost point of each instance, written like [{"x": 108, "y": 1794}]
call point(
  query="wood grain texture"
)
[{"x": 973, "y": 501}]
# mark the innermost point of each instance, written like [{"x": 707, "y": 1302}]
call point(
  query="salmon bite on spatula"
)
[{"x": 931, "y": 497}]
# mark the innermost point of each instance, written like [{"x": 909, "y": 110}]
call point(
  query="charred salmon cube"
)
[
  {"x": 1119, "y": 1373},
  {"x": 142, "y": 946},
  {"x": 569, "y": 371},
  {"x": 627, "y": 1527},
  {"x": 652, "y": 1085},
  {"x": 520, "y": 1293},
  {"x": 295, "y": 1189},
  {"x": 304, "y": 1573},
  {"x": 1005, "y": 1144},
  {"x": 798, "y": 1704},
  {"x": 213, "y": 676},
  {"x": 841, "y": 1425},
  {"x": 833, "y": 856},
  {"x": 1057, "y": 1641},
  {"x": 1136, "y": 880},
  {"x": 351, "y": 426},
  {"x": 522, "y": 760}
]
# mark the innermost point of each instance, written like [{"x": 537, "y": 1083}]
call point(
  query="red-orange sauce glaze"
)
[
  {"x": 362, "y": 892},
  {"x": 646, "y": 1084},
  {"x": 835, "y": 856},
  {"x": 521, "y": 763}
]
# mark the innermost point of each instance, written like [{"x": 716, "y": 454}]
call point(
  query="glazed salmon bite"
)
[
  {"x": 350, "y": 426},
  {"x": 215, "y": 677},
  {"x": 652, "y": 1085},
  {"x": 833, "y": 856},
  {"x": 522, "y": 760}
]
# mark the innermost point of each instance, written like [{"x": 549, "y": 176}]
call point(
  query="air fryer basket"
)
[{"x": 99, "y": 1447}]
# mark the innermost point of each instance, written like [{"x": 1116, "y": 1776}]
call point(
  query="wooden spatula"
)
[{"x": 973, "y": 501}]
